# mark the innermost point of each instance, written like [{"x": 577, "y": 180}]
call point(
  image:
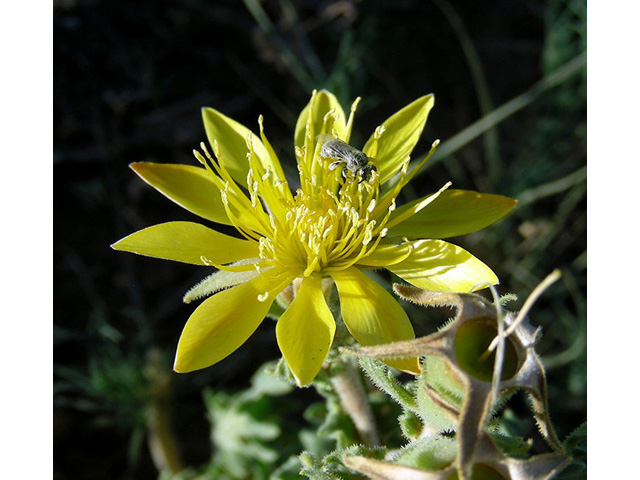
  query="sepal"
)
[{"x": 219, "y": 281}]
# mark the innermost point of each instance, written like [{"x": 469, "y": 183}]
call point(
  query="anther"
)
[{"x": 199, "y": 156}]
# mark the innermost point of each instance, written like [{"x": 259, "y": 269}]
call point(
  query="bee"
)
[{"x": 347, "y": 156}]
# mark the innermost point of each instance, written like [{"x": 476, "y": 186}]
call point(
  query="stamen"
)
[
  {"x": 312, "y": 266},
  {"x": 349, "y": 126},
  {"x": 229, "y": 268},
  {"x": 235, "y": 221},
  {"x": 199, "y": 157}
]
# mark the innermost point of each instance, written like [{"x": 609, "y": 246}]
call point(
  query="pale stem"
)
[
  {"x": 163, "y": 446},
  {"x": 353, "y": 399}
]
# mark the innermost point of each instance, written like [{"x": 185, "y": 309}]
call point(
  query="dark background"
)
[{"x": 129, "y": 81}]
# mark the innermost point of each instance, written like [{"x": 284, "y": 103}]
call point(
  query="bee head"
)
[{"x": 366, "y": 172}]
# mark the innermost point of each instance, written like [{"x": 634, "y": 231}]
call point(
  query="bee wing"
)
[
  {"x": 323, "y": 137},
  {"x": 325, "y": 141},
  {"x": 335, "y": 148}
]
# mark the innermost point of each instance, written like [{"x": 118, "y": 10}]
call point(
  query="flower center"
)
[
  {"x": 335, "y": 219},
  {"x": 326, "y": 230}
]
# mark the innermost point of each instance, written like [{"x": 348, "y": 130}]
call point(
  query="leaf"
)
[{"x": 382, "y": 377}]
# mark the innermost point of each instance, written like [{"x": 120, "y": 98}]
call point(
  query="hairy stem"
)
[{"x": 353, "y": 398}]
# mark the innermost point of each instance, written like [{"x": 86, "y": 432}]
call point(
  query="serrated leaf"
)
[
  {"x": 431, "y": 453},
  {"x": 382, "y": 377},
  {"x": 410, "y": 424},
  {"x": 576, "y": 442},
  {"x": 263, "y": 383}
]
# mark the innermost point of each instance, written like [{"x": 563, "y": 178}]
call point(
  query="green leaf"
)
[
  {"x": 430, "y": 453},
  {"x": 383, "y": 378},
  {"x": 410, "y": 424},
  {"x": 435, "y": 375},
  {"x": 576, "y": 442},
  {"x": 263, "y": 383}
]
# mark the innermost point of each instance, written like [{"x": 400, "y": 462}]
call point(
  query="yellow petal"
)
[
  {"x": 401, "y": 133},
  {"x": 319, "y": 105},
  {"x": 443, "y": 267},
  {"x": 187, "y": 242},
  {"x": 386, "y": 254},
  {"x": 190, "y": 187},
  {"x": 305, "y": 331},
  {"x": 453, "y": 213},
  {"x": 416, "y": 207},
  {"x": 372, "y": 315},
  {"x": 231, "y": 137},
  {"x": 225, "y": 321}
]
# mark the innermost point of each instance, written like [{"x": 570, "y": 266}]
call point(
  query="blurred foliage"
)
[{"x": 129, "y": 80}]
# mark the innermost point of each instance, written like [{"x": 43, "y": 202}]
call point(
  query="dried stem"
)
[
  {"x": 162, "y": 443},
  {"x": 353, "y": 398}
]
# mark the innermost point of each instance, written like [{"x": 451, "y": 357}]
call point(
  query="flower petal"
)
[
  {"x": 190, "y": 187},
  {"x": 319, "y": 105},
  {"x": 231, "y": 138},
  {"x": 453, "y": 213},
  {"x": 386, "y": 254},
  {"x": 372, "y": 315},
  {"x": 401, "y": 133},
  {"x": 225, "y": 321},
  {"x": 305, "y": 331},
  {"x": 443, "y": 267},
  {"x": 187, "y": 242}
]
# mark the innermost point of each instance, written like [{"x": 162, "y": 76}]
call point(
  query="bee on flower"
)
[
  {"x": 352, "y": 159},
  {"x": 339, "y": 223}
]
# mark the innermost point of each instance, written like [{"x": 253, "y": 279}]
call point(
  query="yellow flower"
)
[{"x": 334, "y": 223}]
